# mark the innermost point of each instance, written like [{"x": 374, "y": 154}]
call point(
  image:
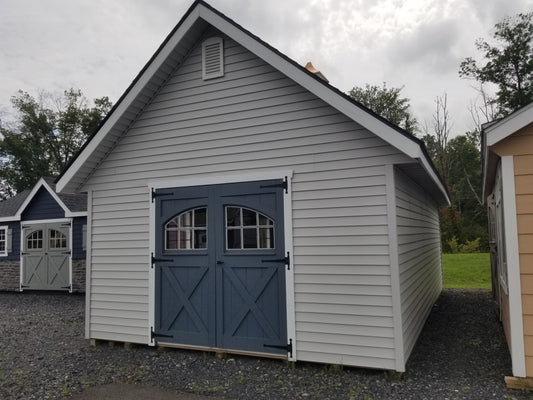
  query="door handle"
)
[{"x": 220, "y": 262}]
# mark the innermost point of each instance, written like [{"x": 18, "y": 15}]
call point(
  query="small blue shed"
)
[{"x": 42, "y": 240}]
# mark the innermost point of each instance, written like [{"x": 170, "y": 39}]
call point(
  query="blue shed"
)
[{"x": 42, "y": 240}]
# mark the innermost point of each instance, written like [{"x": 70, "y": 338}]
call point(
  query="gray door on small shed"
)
[
  {"x": 220, "y": 267},
  {"x": 45, "y": 256}
]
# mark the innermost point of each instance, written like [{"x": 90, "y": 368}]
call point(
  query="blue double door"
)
[{"x": 220, "y": 267}]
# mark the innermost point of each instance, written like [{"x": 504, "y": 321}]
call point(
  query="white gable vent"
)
[{"x": 212, "y": 58}]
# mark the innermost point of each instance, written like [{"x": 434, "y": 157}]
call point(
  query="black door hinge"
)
[
  {"x": 66, "y": 252},
  {"x": 284, "y": 185},
  {"x": 288, "y": 347},
  {"x": 154, "y": 260},
  {"x": 155, "y": 194},
  {"x": 153, "y": 334},
  {"x": 286, "y": 260}
]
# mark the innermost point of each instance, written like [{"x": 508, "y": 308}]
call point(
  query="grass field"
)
[{"x": 466, "y": 270}]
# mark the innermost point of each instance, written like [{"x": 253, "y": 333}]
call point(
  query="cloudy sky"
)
[{"x": 99, "y": 46}]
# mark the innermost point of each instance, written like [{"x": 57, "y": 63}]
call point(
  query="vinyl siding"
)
[
  {"x": 520, "y": 146},
  {"x": 250, "y": 120},
  {"x": 42, "y": 206},
  {"x": 419, "y": 255}
]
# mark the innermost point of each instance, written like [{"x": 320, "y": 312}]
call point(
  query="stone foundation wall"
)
[
  {"x": 78, "y": 276},
  {"x": 10, "y": 275}
]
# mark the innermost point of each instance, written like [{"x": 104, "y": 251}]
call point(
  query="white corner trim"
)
[
  {"x": 395, "y": 270},
  {"x": 88, "y": 264},
  {"x": 513, "y": 267}
]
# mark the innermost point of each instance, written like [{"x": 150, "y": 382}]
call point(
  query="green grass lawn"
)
[{"x": 466, "y": 270}]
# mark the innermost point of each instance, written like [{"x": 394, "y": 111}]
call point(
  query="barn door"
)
[
  {"x": 46, "y": 255},
  {"x": 220, "y": 267},
  {"x": 185, "y": 289}
]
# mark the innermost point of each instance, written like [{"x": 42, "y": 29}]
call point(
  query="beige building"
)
[{"x": 508, "y": 190}]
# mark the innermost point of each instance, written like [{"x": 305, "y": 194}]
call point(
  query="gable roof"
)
[
  {"x": 74, "y": 205},
  {"x": 493, "y": 133},
  {"x": 172, "y": 53}
]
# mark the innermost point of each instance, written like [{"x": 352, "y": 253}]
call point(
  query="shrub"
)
[{"x": 471, "y": 246}]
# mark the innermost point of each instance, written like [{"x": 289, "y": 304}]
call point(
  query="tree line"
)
[
  {"x": 507, "y": 65},
  {"x": 50, "y": 130}
]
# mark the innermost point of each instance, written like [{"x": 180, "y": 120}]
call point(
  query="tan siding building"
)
[{"x": 508, "y": 190}]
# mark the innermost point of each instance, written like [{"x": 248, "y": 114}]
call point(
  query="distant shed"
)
[
  {"x": 238, "y": 202},
  {"x": 42, "y": 240}
]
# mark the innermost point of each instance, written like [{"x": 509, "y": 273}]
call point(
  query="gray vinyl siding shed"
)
[{"x": 361, "y": 215}]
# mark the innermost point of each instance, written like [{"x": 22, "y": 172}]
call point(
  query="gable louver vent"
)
[{"x": 212, "y": 58}]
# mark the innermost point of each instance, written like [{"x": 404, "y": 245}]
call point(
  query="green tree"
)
[
  {"x": 388, "y": 103},
  {"x": 508, "y": 64},
  {"x": 48, "y": 133},
  {"x": 458, "y": 161}
]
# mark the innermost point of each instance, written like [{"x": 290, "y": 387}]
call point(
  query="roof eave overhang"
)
[{"x": 71, "y": 178}]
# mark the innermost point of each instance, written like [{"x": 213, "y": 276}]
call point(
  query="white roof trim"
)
[
  {"x": 509, "y": 125},
  {"x": 375, "y": 125},
  {"x": 42, "y": 183},
  {"x": 380, "y": 128},
  {"x": 126, "y": 102}
]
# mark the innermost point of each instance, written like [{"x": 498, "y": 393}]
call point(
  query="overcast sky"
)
[{"x": 99, "y": 46}]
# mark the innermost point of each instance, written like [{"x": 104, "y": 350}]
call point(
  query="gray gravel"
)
[{"x": 460, "y": 355}]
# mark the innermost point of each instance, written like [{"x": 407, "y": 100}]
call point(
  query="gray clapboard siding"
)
[
  {"x": 419, "y": 256},
  {"x": 251, "y": 119}
]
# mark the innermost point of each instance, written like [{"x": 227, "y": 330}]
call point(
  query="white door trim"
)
[
  {"x": 46, "y": 222},
  {"x": 215, "y": 179}
]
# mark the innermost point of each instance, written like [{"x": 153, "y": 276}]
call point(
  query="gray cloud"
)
[{"x": 100, "y": 46}]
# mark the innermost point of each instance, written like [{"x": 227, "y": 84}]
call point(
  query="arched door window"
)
[
  {"x": 248, "y": 229},
  {"x": 34, "y": 241},
  {"x": 57, "y": 239},
  {"x": 187, "y": 231}
]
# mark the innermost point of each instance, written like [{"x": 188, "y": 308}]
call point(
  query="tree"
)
[
  {"x": 436, "y": 139},
  {"x": 388, "y": 103},
  {"x": 458, "y": 162},
  {"x": 48, "y": 133},
  {"x": 509, "y": 64}
]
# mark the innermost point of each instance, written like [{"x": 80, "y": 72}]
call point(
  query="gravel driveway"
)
[{"x": 460, "y": 355}]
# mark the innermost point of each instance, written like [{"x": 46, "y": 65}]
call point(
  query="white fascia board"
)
[
  {"x": 41, "y": 183},
  {"x": 75, "y": 214},
  {"x": 10, "y": 219},
  {"x": 509, "y": 125},
  {"x": 127, "y": 101},
  {"x": 367, "y": 120},
  {"x": 431, "y": 172},
  {"x": 346, "y": 107},
  {"x": 513, "y": 268}
]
